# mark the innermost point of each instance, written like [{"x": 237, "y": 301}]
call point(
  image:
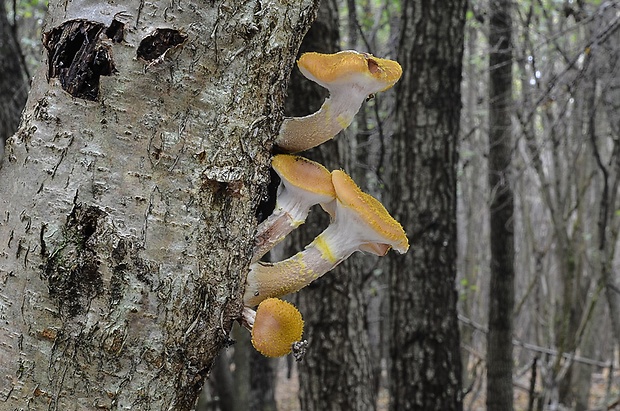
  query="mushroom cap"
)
[
  {"x": 366, "y": 72},
  {"x": 304, "y": 174},
  {"x": 303, "y": 178},
  {"x": 278, "y": 324},
  {"x": 383, "y": 230}
]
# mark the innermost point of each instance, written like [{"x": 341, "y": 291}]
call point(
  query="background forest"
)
[{"x": 559, "y": 121}]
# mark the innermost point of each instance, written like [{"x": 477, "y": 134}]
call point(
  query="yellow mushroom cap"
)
[
  {"x": 370, "y": 212},
  {"x": 304, "y": 174},
  {"x": 304, "y": 184},
  {"x": 278, "y": 324},
  {"x": 345, "y": 67}
]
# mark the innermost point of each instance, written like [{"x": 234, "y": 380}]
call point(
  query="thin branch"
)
[{"x": 538, "y": 348}]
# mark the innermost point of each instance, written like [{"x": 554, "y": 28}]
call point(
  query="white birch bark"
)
[{"x": 127, "y": 219}]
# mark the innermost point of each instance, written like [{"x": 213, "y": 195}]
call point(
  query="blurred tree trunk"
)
[
  {"x": 233, "y": 387},
  {"x": 335, "y": 373},
  {"x": 425, "y": 372},
  {"x": 222, "y": 385},
  {"x": 604, "y": 137},
  {"x": 242, "y": 374},
  {"x": 262, "y": 382},
  {"x": 606, "y": 153},
  {"x": 128, "y": 195},
  {"x": 566, "y": 178},
  {"x": 13, "y": 82},
  {"x": 473, "y": 221},
  {"x": 501, "y": 289}
]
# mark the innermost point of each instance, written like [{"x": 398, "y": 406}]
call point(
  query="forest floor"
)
[{"x": 288, "y": 388}]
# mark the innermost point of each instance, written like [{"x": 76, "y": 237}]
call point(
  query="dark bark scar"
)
[
  {"x": 78, "y": 56},
  {"x": 155, "y": 45},
  {"x": 72, "y": 269}
]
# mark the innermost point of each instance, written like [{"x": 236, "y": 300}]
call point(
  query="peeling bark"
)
[{"x": 127, "y": 198}]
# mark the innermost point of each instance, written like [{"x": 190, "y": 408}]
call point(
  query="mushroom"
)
[
  {"x": 360, "y": 223},
  {"x": 304, "y": 184},
  {"x": 351, "y": 77},
  {"x": 275, "y": 325}
]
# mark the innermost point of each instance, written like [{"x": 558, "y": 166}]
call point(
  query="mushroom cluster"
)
[{"x": 358, "y": 221}]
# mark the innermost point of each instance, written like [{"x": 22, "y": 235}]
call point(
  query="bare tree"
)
[
  {"x": 606, "y": 150},
  {"x": 559, "y": 91},
  {"x": 425, "y": 372},
  {"x": 501, "y": 289}
]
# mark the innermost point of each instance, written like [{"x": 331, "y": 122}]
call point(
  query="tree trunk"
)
[
  {"x": 335, "y": 373},
  {"x": 127, "y": 198},
  {"x": 262, "y": 383},
  {"x": 501, "y": 289},
  {"x": 425, "y": 372},
  {"x": 473, "y": 254},
  {"x": 13, "y": 82},
  {"x": 607, "y": 157}
]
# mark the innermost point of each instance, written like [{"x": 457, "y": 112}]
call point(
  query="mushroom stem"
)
[
  {"x": 291, "y": 275},
  {"x": 283, "y": 220},
  {"x": 336, "y": 114},
  {"x": 248, "y": 316},
  {"x": 271, "y": 231}
]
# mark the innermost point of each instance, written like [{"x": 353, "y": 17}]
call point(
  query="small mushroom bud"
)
[
  {"x": 304, "y": 184},
  {"x": 276, "y": 326},
  {"x": 361, "y": 223},
  {"x": 351, "y": 77}
]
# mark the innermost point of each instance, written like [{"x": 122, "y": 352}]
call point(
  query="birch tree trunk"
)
[
  {"x": 425, "y": 371},
  {"x": 127, "y": 197}
]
